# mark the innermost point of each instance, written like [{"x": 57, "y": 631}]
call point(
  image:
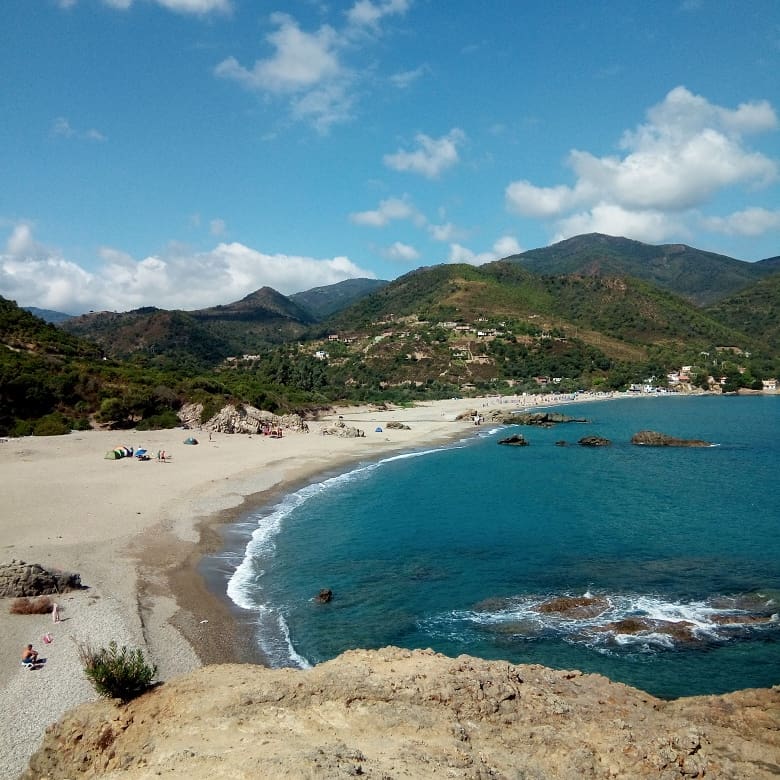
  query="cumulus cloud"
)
[
  {"x": 401, "y": 252},
  {"x": 445, "y": 232},
  {"x": 36, "y": 275},
  {"x": 502, "y": 247},
  {"x": 307, "y": 68},
  {"x": 431, "y": 157},
  {"x": 687, "y": 152},
  {"x": 365, "y": 13},
  {"x": 388, "y": 211},
  {"x": 748, "y": 222}
]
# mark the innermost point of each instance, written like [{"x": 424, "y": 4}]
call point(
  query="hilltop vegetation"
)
[{"x": 517, "y": 325}]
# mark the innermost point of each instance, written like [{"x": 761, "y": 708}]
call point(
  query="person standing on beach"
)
[{"x": 55, "y": 613}]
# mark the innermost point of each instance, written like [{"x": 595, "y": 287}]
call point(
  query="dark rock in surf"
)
[
  {"x": 655, "y": 439},
  {"x": 324, "y": 596},
  {"x": 594, "y": 441},
  {"x": 515, "y": 440}
]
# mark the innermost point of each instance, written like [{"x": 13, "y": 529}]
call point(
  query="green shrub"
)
[
  {"x": 21, "y": 428},
  {"x": 167, "y": 419},
  {"x": 54, "y": 424},
  {"x": 117, "y": 673}
]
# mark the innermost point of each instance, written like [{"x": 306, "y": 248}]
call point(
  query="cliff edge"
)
[{"x": 395, "y": 713}]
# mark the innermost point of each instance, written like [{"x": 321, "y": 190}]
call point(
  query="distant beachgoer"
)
[
  {"x": 29, "y": 656},
  {"x": 55, "y": 613}
]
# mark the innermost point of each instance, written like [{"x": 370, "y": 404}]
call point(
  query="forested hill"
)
[{"x": 701, "y": 277}]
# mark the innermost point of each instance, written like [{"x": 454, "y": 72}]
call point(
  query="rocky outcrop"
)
[
  {"x": 516, "y": 440},
  {"x": 594, "y": 441},
  {"x": 655, "y": 439},
  {"x": 19, "y": 579},
  {"x": 541, "y": 419},
  {"x": 340, "y": 428},
  {"x": 394, "y": 713},
  {"x": 248, "y": 419},
  {"x": 398, "y": 426}
]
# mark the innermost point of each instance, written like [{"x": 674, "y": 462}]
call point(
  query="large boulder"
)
[
  {"x": 655, "y": 439},
  {"x": 18, "y": 579}
]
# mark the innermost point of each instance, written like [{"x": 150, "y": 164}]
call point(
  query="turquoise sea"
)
[{"x": 460, "y": 548}]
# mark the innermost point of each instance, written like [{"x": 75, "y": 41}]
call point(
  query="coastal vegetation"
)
[
  {"x": 117, "y": 673},
  {"x": 589, "y": 313}
]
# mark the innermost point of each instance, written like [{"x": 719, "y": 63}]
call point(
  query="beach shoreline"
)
[{"x": 137, "y": 533}]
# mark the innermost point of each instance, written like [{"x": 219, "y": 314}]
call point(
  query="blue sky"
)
[{"x": 183, "y": 153}]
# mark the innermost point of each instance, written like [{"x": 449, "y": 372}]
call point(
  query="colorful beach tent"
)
[
  {"x": 190, "y": 440},
  {"x": 377, "y": 430}
]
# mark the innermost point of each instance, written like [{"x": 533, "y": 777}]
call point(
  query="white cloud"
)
[
  {"x": 445, "y": 232},
  {"x": 748, "y": 222},
  {"x": 432, "y": 156},
  {"x": 365, "y": 13},
  {"x": 197, "y": 6},
  {"x": 300, "y": 60},
  {"x": 62, "y": 127},
  {"x": 687, "y": 152},
  {"x": 532, "y": 201},
  {"x": 308, "y": 69},
  {"x": 502, "y": 247},
  {"x": 408, "y": 77},
  {"x": 612, "y": 219},
  {"x": 506, "y": 246},
  {"x": 389, "y": 210},
  {"x": 35, "y": 275},
  {"x": 401, "y": 251}
]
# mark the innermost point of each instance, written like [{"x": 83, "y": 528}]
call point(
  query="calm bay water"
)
[{"x": 457, "y": 548}]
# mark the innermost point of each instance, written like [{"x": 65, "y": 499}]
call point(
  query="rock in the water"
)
[
  {"x": 516, "y": 440},
  {"x": 655, "y": 439},
  {"x": 19, "y": 579},
  {"x": 324, "y": 596},
  {"x": 594, "y": 441},
  {"x": 575, "y": 607}
]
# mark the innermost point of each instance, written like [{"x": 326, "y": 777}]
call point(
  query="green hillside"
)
[
  {"x": 755, "y": 310},
  {"x": 701, "y": 277},
  {"x": 323, "y": 302}
]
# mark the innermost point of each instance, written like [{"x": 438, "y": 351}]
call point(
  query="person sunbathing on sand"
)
[{"x": 29, "y": 656}]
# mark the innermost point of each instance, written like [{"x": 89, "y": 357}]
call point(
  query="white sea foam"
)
[{"x": 522, "y": 619}]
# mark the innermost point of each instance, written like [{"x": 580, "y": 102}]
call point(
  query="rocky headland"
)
[{"x": 395, "y": 713}]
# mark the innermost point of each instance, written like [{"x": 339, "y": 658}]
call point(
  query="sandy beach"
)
[{"x": 136, "y": 530}]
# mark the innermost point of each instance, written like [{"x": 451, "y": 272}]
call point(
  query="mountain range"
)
[{"x": 606, "y": 288}]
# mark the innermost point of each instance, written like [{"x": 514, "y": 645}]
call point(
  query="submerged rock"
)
[{"x": 574, "y": 606}]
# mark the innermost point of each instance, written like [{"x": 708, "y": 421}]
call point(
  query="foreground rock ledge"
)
[{"x": 394, "y": 713}]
